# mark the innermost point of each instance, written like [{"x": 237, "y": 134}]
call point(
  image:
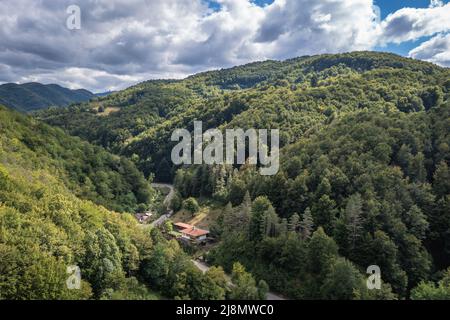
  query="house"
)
[
  {"x": 143, "y": 217},
  {"x": 181, "y": 226},
  {"x": 190, "y": 232}
]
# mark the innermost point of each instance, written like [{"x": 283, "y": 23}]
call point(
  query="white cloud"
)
[
  {"x": 436, "y": 3},
  {"x": 436, "y": 50},
  {"x": 292, "y": 28},
  {"x": 412, "y": 23},
  {"x": 125, "y": 41}
]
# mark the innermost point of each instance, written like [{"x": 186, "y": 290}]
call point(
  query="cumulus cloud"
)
[
  {"x": 436, "y": 3},
  {"x": 309, "y": 27},
  {"x": 122, "y": 42},
  {"x": 436, "y": 50},
  {"x": 413, "y": 23}
]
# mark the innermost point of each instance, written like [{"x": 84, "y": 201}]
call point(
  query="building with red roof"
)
[{"x": 191, "y": 232}]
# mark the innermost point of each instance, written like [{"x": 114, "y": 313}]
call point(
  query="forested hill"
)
[
  {"x": 372, "y": 188},
  {"x": 295, "y": 95},
  {"x": 88, "y": 171},
  {"x": 34, "y": 96},
  {"x": 48, "y": 229},
  {"x": 364, "y": 176}
]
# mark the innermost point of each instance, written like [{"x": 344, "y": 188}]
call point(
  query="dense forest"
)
[
  {"x": 34, "y": 96},
  {"x": 364, "y": 177},
  {"x": 88, "y": 171},
  {"x": 372, "y": 188},
  {"x": 296, "y": 96},
  {"x": 54, "y": 195}
]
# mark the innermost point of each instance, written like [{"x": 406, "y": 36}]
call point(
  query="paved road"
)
[
  {"x": 167, "y": 201},
  {"x": 171, "y": 193},
  {"x": 160, "y": 220},
  {"x": 204, "y": 267}
]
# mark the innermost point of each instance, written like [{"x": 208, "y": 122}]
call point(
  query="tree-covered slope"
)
[
  {"x": 364, "y": 167},
  {"x": 34, "y": 96},
  {"x": 88, "y": 171},
  {"x": 48, "y": 228},
  {"x": 378, "y": 185},
  {"x": 45, "y": 226},
  {"x": 295, "y": 95}
]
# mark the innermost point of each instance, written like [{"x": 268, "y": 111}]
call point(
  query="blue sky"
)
[{"x": 123, "y": 42}]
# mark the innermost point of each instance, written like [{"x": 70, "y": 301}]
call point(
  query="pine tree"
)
[
  {"x": 307, "y": 224},
  {"x": 228, "y": 218},
  {"x": 247, "y": 202},
  {"x": 294, "y": 223},
  {"x": 271, "y": 225},
  {"x": 441, "y": 177},
  {"x": 353, "y": 212},
  {"x": 324, "y": 213},
  {"x": 258, "y": 218},
  {"x": 417, "y": 169},
  {"x": 220, "y": 189},
  {"x": 283, "y": 226}
]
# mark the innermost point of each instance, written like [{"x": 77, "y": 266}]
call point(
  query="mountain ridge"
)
[{"x": 33, "y": 96}]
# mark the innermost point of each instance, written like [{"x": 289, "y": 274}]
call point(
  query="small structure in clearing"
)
[
  {"x": 143, "y": 217},
  {"x": 190, "y": 232}
]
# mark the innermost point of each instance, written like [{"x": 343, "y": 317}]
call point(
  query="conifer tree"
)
[{"x": 307, "y": 224}]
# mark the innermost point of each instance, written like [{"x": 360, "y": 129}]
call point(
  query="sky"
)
[{"x": 118, "y": 43}]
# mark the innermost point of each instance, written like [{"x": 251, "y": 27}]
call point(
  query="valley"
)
[{"x": 363, "y": 180}]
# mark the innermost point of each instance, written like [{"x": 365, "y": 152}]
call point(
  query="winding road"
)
[
  {"x": 171, "y": 193},
  {"x": 166, "y": 202}
]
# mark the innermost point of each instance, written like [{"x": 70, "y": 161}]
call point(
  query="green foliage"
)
[
  {"x": 342, "y": 281},
  {"x": 168, "y": 269},
  {"x": 364, "y": 162},
  {"x": 45, "y": 229},
  {"x": 431, "y": 291},
  {"x": 390, "y": 210},
  {"x": 191, "y": 205},
  {"x": 244, "y": 285},
  {"x": 297, "y": 95},
  {"x": 322, "y": 251},
  {"x": 261, "y": 207},
  {"x": 177, "y": 202},
  {"x": 130, "y": 289},
  {"x": 89, "y": 171}
]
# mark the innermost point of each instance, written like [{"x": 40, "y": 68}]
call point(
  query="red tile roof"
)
[
  {"x": 194, "y": 232},
  {"x": 183, "y": 225}
]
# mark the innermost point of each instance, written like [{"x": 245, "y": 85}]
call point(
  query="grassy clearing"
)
[
  {"x": 107, "y": 111},
  {"x": 203, "y": 219}
]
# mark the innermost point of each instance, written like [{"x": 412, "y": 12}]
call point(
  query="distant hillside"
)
[
  {"x": 296, "y": 95},
  {"x": 104, "y": 94},
  {"x": 34, "y": 96}
]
